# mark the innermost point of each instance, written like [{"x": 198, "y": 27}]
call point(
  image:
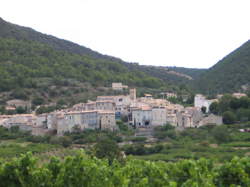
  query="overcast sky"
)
[{"x": 187, "y": 33}]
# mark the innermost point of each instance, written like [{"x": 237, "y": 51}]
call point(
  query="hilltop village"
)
[{"x": 142, "y": 112}]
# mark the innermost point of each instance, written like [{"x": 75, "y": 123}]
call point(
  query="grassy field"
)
[
  {"x": 220, "y": 153},
  {"x": 12, "y": 148},
  {"x": 213, "y": 142}
]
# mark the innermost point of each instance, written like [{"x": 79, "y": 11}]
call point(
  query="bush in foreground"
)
[{"x": 80, "y": 170}]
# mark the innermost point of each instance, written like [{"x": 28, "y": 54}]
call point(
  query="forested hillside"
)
[
  {"x": 23, "y": 60},
  {"x": 35, "y": 64},
  {"x": 192, "y": 72},
  {"x": 229, "y": 74}
]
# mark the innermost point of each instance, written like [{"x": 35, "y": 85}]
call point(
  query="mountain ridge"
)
[{"x": 229, "y": 74}]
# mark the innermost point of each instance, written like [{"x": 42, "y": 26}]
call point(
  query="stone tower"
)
[{"x": 132, "y": 93}]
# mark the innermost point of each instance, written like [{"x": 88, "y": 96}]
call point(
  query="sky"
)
[{"x": 185, "y": 33}]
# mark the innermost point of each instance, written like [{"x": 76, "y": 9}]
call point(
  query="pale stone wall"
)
[
  {"x": 132, "y": 94},
  {"x": 211, "y": 119},
  {"x": 62, "y": 127},
  {"x": 107, "y": 120},
  {"x": 200, "y": 101},
  {"x": 159, "y": 116},
  {"x": 105, "y": 105},
  {"x": 142, "y": 117},
  {"x": 89, "y": 120},
  {"x": 184, "y": 120},
  {"x": 118, "y": 86},
  {"x": 39, "y": 131},
  {"x": 72, "y": 119},
  {"x": 171, "y": 119},
  {"x": 41, "y": 121}
]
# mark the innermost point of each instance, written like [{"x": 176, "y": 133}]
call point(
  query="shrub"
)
[{"x": 229, "y": 117}]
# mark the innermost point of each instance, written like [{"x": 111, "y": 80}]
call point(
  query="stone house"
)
[
  {"x": 118, "y": 86},
  {"x": 170, "y": 94},
  {"x": 23, "y": 121},
  {"x": 105, "y": 105},
  {"x": 171, "y": 119},
  {"x": 95, "y": 105},
  {"x": 93, "y": 119},
  {"x": 142, "y": 117},
  {"x": 159, "y": 116},
  {"x": 193, "y": 117},
  {"x": 189, "y": 117},
  {"x": 201, "y": 101},
  {"x": 107, "y": 120},
  {"x": 122, "y": 103},
  {"x": 239, "y": 95},
  {"x": 18, "y": 103}
]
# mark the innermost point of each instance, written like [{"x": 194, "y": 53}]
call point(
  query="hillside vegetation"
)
[
  {"x": 192, "y": 72},
  {"x": 229, "y": 74},
  {"x": 33, "y": 64}
]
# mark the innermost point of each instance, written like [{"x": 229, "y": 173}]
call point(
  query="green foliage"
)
[
  {"x": 232, "y": 109},
  {"x": 214, "y": 108},
  {"x": 23, "y": 62},
  {"x": 166, "y": 131},
  {"x": 221, "y": 134},
  {"x": 92, "y": 136},
  {"x": 65, "y": 141},
  {"x": 228, "y": 75},
  {"x": 12, "y": 133},
  {"x": 38, "y": 63},
  {"x": 107, "y": 148},
  {"x": 140, "y": 149},
  {"x": 122, "y": 126},
  {"x": 21, "y": 110},
  {"x": 19, "y": 94},
  {"x": 38, "y": 101},
  {"x": 81, "y": 170},
  {"x": 46, "y": 109},
  {"x": 229, "y": 117},
  {"x": 125, "y": 129}
]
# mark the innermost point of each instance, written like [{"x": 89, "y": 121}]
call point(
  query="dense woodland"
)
[
  {"x": 228, "y": 75},
  {"x": 23, "y": 62}
]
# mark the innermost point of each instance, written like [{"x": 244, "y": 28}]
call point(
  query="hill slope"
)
[
  {"x": 35, "y": 64},
  {"x": 9, "y": 30},
  {"x": 192, "y": 72},
  {"x": 229, "y": 74}
]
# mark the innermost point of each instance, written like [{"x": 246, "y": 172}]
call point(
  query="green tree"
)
[
  {"x": 214, "y": 108},
  {"x": 221, "y": 134},
  {"x": 107, "y": 148},
  {"x": 21, "y": 110},
  {"x": 229, "y": 117},
  {"x": 38, "y": 101},
  {"x": 225, "y": 103}
]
